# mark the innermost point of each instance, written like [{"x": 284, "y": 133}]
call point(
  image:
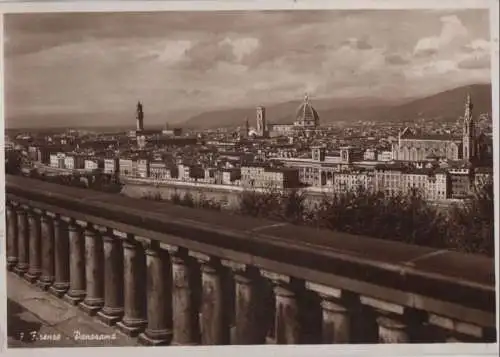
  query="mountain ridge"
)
[{"x": 444, "y": 106}]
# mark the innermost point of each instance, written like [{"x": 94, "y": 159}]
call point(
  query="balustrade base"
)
[
  {"x": 58, "y": 290},
  {"x": 21, "y": 269},
  {"x": 44, "y": 283},
  {"x": 90, "y": 309},
  {"x": 75, "y": 297},
  {"x": 270, "y": 341},
  {"x": 11, "y": 263},
  {"x": 132, "y": 330},
  {"x": 32, "y": 276},
  {"x": 110, "y": 319},
  {"x": 160, "y": 339}
]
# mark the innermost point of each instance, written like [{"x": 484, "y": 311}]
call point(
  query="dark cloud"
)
[
  {"x": 475, "y": 63},
  {"x": 181, "y": 60},
  {"x": 206, "y": 54},
  {"x": 32, "y": 32},
  {"x": 467, "y": 49},
  {"x": 358, "y": 44},
  {"x": 396, "y": 59},
  {"x": 428, "y": 52}
]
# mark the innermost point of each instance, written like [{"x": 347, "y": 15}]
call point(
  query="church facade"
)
[{"x": 415, "y": 147}]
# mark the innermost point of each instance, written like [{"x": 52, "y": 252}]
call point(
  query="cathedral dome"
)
[{"x": 306, "y": 115}]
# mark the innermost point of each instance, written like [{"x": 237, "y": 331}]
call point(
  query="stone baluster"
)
[
  {"x": 392, "y": 327},
  {"x": 159, "y": 298},
  {"x": 22, "y": 240},
  {"x": 76, "y": 292},
  {"x": 12, "y": 236},
  {"x": 248, "y": 329},
  {"x": 35, "y": 253},
  {"x": 214, "y": 313},
  {"x": 134, "y": 317},
  {"x": 61, "y": 257},
  {"x": 336, "y": 324},
  {"x": 184, "y": 317},
  {"x": 94, "y": 272},
  {"x": 47, "y": 236},
  {"x": 112, "y": 311},
  {"x": 287, "y": 324}
]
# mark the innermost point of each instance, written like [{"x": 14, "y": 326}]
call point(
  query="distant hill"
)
[{"x": 444, "y": 106}]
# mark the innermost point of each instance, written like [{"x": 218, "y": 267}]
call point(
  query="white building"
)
[
  {"x": 126, "y": 167},
  {"x": 111, "y": 166},
  {"x": 385, "y": 156},
  {"x": 57, "y": 160},
  {"x": 91, "y": 164},
  {"x": 69, "y": 162},
  {"x": 143, "y": 168},
  {"x": 346, "y": 181}
]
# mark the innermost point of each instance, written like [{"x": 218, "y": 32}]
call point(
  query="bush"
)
[
  {"x": 175, "y": 198},
  {"x": 407, "y": 218},
  {"x": 471, "y": 226},
  {"x": 188, "y": 200}
]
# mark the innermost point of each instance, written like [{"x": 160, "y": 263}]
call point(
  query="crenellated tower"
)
[
  {"x": 139, "y": 117},
  {"x": 261, "y": 122}
]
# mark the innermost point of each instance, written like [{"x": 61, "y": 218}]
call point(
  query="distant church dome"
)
[{"x": 306, "y": 115}]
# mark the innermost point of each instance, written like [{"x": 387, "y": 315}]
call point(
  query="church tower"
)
[
  {"x": 468, "y": 138},
  {"x": 261, "y": 121},
  {"x": 139, "y": 117}
]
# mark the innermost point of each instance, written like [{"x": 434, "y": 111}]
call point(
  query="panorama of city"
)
[{"x": 204, "y": 178}]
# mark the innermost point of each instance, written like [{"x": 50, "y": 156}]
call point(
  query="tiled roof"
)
[{"x": 430, "y": 137}]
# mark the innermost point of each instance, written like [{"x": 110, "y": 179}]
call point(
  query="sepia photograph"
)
[{"x": 250, "y": 176}]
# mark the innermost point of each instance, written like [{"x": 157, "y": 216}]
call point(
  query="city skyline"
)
[{"x": 179, "y": 64}]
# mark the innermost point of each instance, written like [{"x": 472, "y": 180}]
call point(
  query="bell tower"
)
[
  {"x": 261, "y": 121},
  {"x": 468, "y": 137},
  {"x": 139, "y": 117}
]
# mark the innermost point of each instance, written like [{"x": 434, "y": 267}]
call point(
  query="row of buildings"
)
[{"x": 440, "y": 167}]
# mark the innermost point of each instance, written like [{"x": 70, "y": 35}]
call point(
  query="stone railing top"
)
[{"x": 444, "y": 282}]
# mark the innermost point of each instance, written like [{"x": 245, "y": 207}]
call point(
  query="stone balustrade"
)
[{"x": 181, "y": 276}]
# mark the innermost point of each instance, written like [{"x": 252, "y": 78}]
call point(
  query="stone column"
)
[
  {"x": 134, "y": 318},
  {"x": 22, "y": 240},
  {"x": 336, "y": 323},
  {"x": 47, "y": 276},
  {"x": 214, "y": 314},
  {"x": 35, "y": 251},
  {"x": 94, "y": 272},
  {"x": 248, "y": 329},
  {"x": 76, "y": 292},
  {"x": 391, "y": 326},
  {"x": 61, "y": 257},
  {"x": 112, "y": 311},
  {"x": 287, "y": 324},
  {"x": 184, "y": 314},
  {"x": 159, "y": 298},
  {"x": 12, "y": 234}
]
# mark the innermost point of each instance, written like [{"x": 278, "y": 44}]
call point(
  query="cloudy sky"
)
[{"x": 178, "y": 63}]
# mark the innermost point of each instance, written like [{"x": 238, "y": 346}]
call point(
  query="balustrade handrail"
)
[{"x": 453, "y": 284}]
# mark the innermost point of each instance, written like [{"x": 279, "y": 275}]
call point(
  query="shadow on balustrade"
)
[{"x": 20, "y": 324}]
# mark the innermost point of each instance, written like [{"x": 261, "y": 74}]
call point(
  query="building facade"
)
[{"x": 415, "y": 147}]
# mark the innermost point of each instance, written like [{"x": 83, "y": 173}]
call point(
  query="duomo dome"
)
[{"x": 306, "y": 115}]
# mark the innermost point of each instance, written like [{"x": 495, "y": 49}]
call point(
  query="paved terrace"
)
[{"x": 175, "y": 275}]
